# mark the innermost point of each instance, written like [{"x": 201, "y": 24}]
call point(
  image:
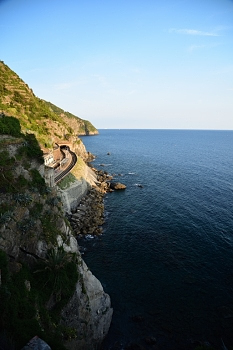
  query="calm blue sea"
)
[{"x": 166, "y": 254}]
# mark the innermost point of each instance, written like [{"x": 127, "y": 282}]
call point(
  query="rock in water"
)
[{"x": 117, "y": 186}]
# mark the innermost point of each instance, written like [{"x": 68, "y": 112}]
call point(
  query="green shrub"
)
[
  {"x": 49, "y": 228},
  {"x": 18, "y": 97},
  {"x": 10, "y": 126},
  {"x": 38, "y": 181},
  {"x": 5, "y": 159},
  {"x": 6, "y": 216},
  {"x": 36, "y": 210},
  {"x": 33, "y": 149},
  {"x": 26, "y": 226},
  {"x": 23, "y": 199},
  {"x": 58, "y": 273},
  {"x": 7, "y": 181},
  {"x": 21, "y": 182}
]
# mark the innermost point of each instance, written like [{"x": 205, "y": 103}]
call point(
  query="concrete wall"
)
[{"x": 72, "y": 195}]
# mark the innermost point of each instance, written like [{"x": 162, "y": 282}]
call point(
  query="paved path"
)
[{"x": 69, "y": 166}]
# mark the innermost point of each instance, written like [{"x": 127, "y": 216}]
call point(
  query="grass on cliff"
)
[
  {"x": 45, "y": 120},
  {"x": 76, "y": 173},
  {"x": 11, "y": 126},
  {"x": 67, "y": 181},
  {"x": 79, "y": 169}
]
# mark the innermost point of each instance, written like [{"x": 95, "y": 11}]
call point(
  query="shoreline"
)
[{"x": 88, "y": 217}]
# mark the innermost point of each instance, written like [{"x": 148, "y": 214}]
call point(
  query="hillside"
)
[
  {"x": 84, "y": 126},
  {"x": 46, "y": 121},
  {"x": 46, "y": 289}
]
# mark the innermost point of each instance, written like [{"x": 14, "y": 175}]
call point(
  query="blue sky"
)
[{"x": 164, "y": 64}]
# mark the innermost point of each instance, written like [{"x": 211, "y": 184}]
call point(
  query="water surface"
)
[{"x": 166, "y": 255}]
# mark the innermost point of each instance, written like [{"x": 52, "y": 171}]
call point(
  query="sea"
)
[{"x": 166, "y": 253}]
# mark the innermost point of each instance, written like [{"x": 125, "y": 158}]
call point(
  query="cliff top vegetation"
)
[{"x": 46, "y": 121}]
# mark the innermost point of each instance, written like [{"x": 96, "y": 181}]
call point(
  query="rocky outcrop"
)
[
  {"x": 36, "y": 343},
  {"x": 105, "y": 182},
  {"x": 117, "y": 186},
  {"x": 88, "y": 217},
  {"x": 79, "y": 148},
  {"x": 88, "y": 311}
]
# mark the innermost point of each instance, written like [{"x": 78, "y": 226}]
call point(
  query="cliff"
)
[
  {"x": 80, "y": 126},
  {"x": 46, "y": 288},
  {"x": 49, "y": 123},
  {"x": 42, "y": 254}
]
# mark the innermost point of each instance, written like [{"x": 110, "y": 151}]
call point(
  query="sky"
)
[{"x": 149, "y": 64}]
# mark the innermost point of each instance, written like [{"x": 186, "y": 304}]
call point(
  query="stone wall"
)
[{"x": 73, "y": 194}]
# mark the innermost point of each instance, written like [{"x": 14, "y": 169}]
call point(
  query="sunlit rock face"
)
[{"x": 88, "y": 312}]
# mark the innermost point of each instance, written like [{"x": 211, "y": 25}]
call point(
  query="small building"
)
[
  {"x": 55, "y": 161},
  {"x": 48, "y": 158}
]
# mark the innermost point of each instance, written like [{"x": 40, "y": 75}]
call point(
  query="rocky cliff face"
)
[
  {"x": 89, "y": 311},
  {"x": 80, "y": 126},
  {"x": 45, "y": 287},
  {"x": 32, "y": 225}
]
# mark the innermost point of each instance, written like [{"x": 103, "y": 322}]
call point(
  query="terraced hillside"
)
[{"x": 46, "y": 121}]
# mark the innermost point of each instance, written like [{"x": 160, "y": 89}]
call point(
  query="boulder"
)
[
  {"x": 117, "y": 186},
  {"x": 36, "y": 344}
]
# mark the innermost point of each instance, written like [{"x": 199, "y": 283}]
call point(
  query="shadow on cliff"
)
[
  {"x": 27, "y": 145},
  {"x": 11, "y": 126}
]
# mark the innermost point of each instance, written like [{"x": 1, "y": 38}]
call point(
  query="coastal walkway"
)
[{"x": 66, "y": 165}]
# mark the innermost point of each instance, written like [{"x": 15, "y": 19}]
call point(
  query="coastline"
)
[{"x": 87, "y": 217}]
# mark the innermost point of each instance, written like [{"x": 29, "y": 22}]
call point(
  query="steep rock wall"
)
[
  {"x": 31, "y": 223},
  {"x": 89, "y": 311},
  {"x": 73, "y": 194}
]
